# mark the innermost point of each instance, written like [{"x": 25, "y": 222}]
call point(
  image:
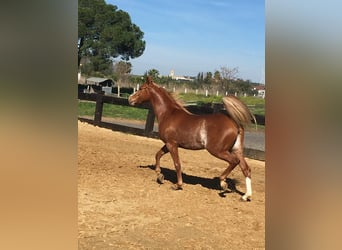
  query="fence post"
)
[
  {"x": 149, "y": 122},
  {"x": 98, "y": 109}
]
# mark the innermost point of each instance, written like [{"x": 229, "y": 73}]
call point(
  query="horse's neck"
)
[{"x": 162, "y": 105}]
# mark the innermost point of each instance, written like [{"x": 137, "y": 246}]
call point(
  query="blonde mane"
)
[{"x": 173, "y": 98}]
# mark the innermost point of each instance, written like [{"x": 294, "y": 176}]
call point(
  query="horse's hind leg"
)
[
  {"x": 159, "y": 154},
  {"x": 238, "y": 151},
  {"x": 236, "y": 158},
  {"x": 246, "y": 170},
  {"x": 233, "y": 162},
  {"x": 231, "y": 159},
  {"x": 224, "y": 175}
]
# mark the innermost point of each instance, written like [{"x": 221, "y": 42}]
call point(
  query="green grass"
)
[
  {"x": 193, "y": 98},
  {"x": 109, "y": 110},
  {"x": 256, "y": 104},
  {"x": 86, "y": 108}
]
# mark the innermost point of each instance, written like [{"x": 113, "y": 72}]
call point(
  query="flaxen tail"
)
[{"x": 238, "y": 111}]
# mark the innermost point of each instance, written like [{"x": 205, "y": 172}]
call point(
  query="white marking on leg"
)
[
  {"x": 223, "y": 185},
  {"x": 203, "y": 134},
  {"x": 248, "y": 189},
  {"x": 237, "y": 144}
]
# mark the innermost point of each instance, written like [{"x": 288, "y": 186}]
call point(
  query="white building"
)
[
  {"x": 174, "y": 77},
  {"x": 261, "y": 90}
]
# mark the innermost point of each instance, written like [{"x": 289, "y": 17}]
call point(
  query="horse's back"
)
[
  {"x": 220, "y": 121},
  {"x": 200, "y": 131}
]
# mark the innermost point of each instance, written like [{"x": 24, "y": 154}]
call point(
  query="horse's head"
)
[{"x": 143, "y": 94}]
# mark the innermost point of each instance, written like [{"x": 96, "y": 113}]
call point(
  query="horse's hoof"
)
[
  {"x": 160, "y": 178},
  {"x": 176, "y": 187},
  {"x": 224, "y": 185},
  {"x": 245, "y": 199}
]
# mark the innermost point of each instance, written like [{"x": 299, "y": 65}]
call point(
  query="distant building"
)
[
  {"x": 183, "y": 78},
  {"x": 97, "y": 84},
  {"x": 261, "y": 90},
  {"x": 98, "y": 81}
]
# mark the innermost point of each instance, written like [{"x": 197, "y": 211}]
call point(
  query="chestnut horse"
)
[{"x": 221, "y": 135}]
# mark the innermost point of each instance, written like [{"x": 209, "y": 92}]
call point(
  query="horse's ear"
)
[{"x": 149, "y": 80}]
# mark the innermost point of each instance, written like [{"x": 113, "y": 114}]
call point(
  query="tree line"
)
[
  {"x": 225, "y": 81},
  {"x": 107, "y": 40}
]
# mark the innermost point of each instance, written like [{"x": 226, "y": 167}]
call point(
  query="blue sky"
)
[{"x": 192, "y": 36}]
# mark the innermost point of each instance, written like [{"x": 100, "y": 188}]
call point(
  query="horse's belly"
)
[
  {"x": 192, "y": 141},
  {"x": 192, "y": 137},
  {"x": 192, "y": 145}
]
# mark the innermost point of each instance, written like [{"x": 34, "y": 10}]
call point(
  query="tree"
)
[
  {"x": 208, "y": 78},
  {"x": 152, "y": 72},
  {"x": 217, "y": 76},
  {"x": 104, "y": 33},
  {"x": 243, "y": 86},
  {"x": 228, "y": 75},
  {"x": 121, "y": 71},
  {"x": 200, "y": 77}
]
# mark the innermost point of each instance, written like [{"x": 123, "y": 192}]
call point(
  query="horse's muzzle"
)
[{"x": 131, "y": 100}]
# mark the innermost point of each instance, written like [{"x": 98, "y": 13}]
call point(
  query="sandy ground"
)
[{"x": 121, "y": 206}]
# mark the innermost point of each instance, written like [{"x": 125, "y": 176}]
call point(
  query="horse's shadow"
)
[{"x": 213, "y": 183}]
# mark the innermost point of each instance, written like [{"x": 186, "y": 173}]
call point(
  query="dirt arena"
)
[{"x": 121, "y": 206}]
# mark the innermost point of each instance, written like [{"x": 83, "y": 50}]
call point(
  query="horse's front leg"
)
[
  {"x": 173, "y": 149},
  {"x": 159, "y": 154}
]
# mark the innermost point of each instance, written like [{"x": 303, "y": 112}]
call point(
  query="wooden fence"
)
[
  {"x": 101, "y": 99},
  {"x": 148, "y": 130}
]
